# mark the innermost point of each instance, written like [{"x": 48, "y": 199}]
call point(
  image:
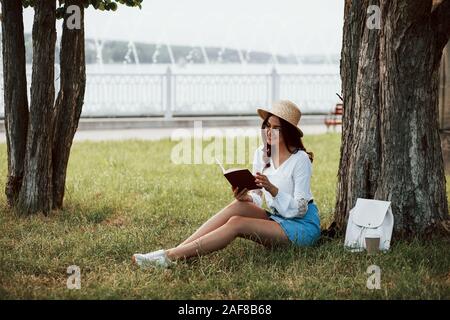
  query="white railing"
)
[{"x": 175, "y": 94}]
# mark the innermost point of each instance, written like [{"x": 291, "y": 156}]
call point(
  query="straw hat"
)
[{"x": 286, "y": 110}]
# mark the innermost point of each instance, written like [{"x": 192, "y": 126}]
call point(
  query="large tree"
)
[
  {"x": 15, "y": 94},
  {"x": 39, "y": 138},
  {"x": 390, "y": 140}
]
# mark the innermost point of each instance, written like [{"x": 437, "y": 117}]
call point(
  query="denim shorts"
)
[{"x": 303, "y": 231}]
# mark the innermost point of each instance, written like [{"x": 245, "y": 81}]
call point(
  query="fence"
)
[{"x": 179, "y": 94}]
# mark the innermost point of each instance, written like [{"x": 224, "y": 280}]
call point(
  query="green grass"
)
[{"x": 126, "y": 197}]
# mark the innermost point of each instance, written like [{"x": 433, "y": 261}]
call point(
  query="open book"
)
[{"x": 241, "y": 178}]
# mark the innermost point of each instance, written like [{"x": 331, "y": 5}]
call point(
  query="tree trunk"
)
[
  {"x": 359, "y": 164},
  {"x": 390, "y": 141},
  {"x": 412, "y": 172},
  {"x": 36, "y": 192},
  {"x": 15, "y": 95},
  {"x": 69, "y": 102}
]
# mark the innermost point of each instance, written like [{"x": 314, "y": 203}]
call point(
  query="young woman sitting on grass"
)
[{"x": 282, "y": 167}]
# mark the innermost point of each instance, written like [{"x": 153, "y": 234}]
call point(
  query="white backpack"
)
[{"x": 372, "y": 218}]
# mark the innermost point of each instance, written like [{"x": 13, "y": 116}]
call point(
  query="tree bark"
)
[
  {"x": 412, "y": 173},
  {"x": 15, "y": 95},
  {"x": 69, "y": 102},
  {"x": 390, "y": 142},
  {"x": 359, "y": 163},
  {"x": 36, "y": 192}
]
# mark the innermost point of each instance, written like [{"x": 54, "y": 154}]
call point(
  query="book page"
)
[{"x": 220, "y": 164}]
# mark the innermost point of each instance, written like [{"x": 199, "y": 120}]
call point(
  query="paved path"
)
[{"x": 97, "y": 129}]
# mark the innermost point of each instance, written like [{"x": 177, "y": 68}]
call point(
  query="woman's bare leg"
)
[
  {"x": 266, "y": 232},
  {"x": 235, "y": 208}
]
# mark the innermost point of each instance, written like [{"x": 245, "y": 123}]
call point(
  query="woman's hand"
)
[
  {"x": 241, "y": 195},
  {"x": 262, "y": 181}
]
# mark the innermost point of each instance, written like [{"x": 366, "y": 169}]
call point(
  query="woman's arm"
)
[
  {"x": 285, "y": 204},
  {"x": 296, "y": 206},
  {"x": 256, "y": 196}
]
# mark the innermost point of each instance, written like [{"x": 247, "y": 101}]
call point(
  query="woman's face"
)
[{"x": 272, "y": 131}]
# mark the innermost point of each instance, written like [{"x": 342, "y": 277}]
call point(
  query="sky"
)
[{"x": 301, "y": 27}]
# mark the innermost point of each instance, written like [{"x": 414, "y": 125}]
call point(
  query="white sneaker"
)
[{"x": 157, "y": 258}]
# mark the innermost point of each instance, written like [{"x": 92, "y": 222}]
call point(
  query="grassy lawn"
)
[{"x": 127, "y": 197}]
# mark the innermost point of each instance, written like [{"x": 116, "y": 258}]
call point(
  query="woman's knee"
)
[
  {"x": 236, "y": 224},
  {"x": 236, "y": 203},
  {"x": 243, "y": 209},
  {"x": 230, "y": 206},
  {"x": 236, "y": 207}
]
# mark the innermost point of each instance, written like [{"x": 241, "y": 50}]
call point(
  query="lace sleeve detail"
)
[
  {"x": 302, "y": 207},
  {"x": 256, "y": 197}
]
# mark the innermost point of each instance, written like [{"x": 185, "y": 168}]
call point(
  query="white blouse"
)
[{"x": 292, "y": 179}]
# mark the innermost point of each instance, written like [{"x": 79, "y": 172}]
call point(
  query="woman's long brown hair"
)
[{"x": 291, "y": 138}]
